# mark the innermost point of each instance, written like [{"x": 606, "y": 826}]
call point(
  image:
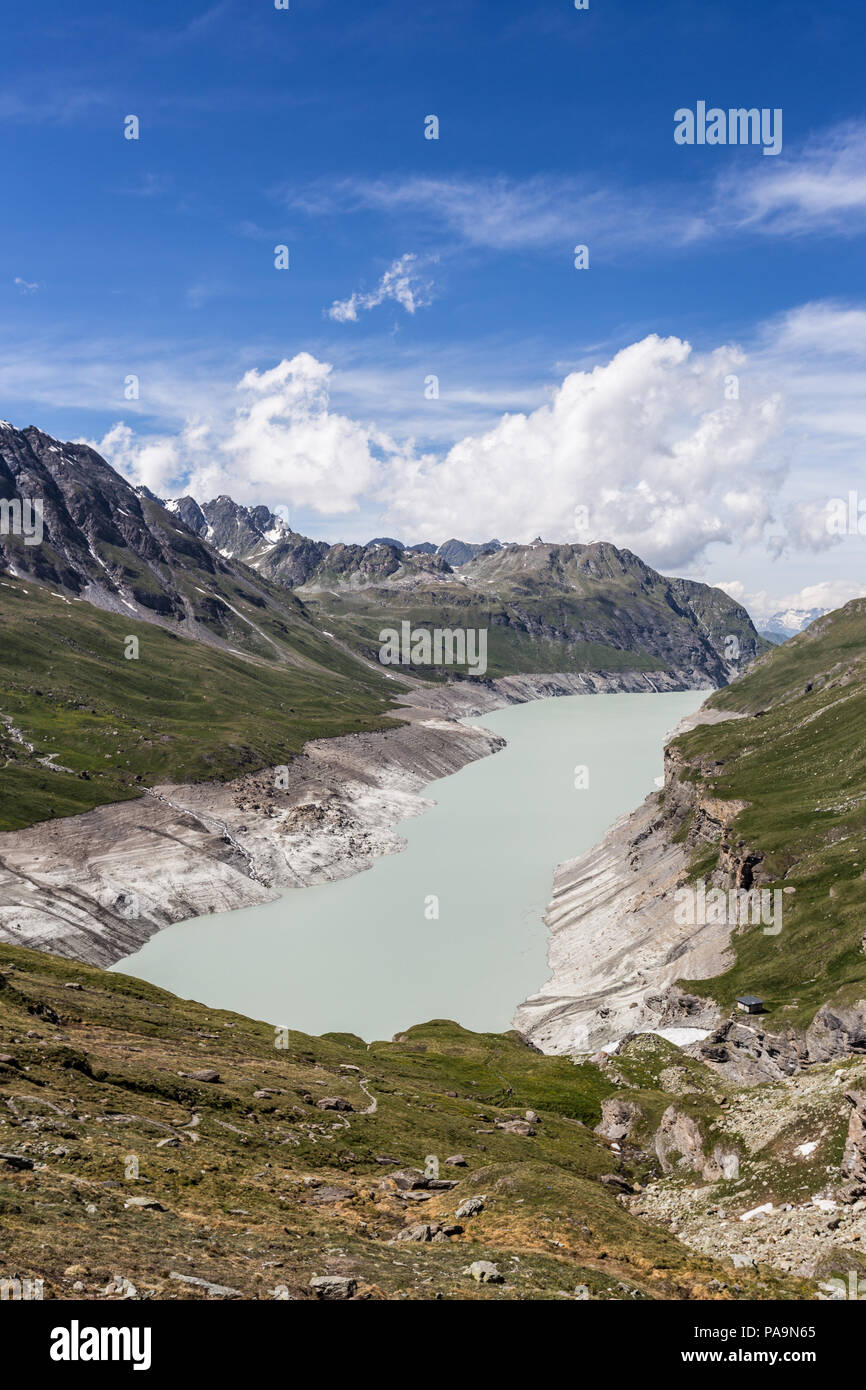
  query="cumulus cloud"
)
[
  {"x": 281, "y": 439},
  {"x": 805, "y": 528},
  {"x": 401, "y": 283},
  {"x": 645, "y": 450},
  {"x": 662, "y": 449},
  {"x": 155, "y": 462}
]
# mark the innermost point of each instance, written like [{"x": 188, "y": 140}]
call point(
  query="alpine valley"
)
[{"x": 194, "y": 717}]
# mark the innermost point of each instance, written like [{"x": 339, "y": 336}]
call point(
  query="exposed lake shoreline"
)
[
  {"x": 616, "y": 948},
  {"x": 95, "y": 887}
]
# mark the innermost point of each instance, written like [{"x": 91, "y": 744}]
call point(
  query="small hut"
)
[{"x": 750, "y": 1004}]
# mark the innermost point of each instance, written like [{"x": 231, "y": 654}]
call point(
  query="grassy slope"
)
[
  {"x": 95, "y": 1079},
  {"x": 182, "y": 711},
  {"x": 800, "y": 763},
  {"x": 512, "y": 648},
  {"x": 358, "y": 618}
]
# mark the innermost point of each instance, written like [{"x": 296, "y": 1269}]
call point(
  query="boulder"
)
[
  {"x": 217, "y": 1290},
  {"x": 678, "y": 1141},
  {"x": 616, "y": 1180},
  {"x": 324, "y": 1194},
  {"x": 483, "y": 1272},
  {"x": 408, "y": 1179},
  {"x": 17, "y": 1161},
  {"x": 836, "y": 1032},
  {"x": 333, "y": 1286},
  {"x": 679, "y": 1144},
  {"x": 515, "y": 1127},
  {"x": 419, "y": 1232},
  {"x": 334, "y": 1103}
]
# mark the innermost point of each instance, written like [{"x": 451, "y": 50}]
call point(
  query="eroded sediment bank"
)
[
  {"x": 615, "y": 948},
  {"x": 617, "y": 951}
]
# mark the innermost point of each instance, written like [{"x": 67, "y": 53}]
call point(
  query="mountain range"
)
[
  {"x": 240, "y": 577},
  {"x": 546, "y": 606},
  {"x": 254, "y": 638}
]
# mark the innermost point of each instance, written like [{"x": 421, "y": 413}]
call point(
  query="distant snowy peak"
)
[
  {"x": 797, "y": 618},
  {"x": 789, "y": 621}
]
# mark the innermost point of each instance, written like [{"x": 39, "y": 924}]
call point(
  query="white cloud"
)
[
  {"x": 154, "y": 462},
  {"x": 805, "y": 528},
  {"x": 401, "y": 283},
  {"x": 647, "y": 443},
  {"x": 27, "y": 286},
  {"x": 281, "y": 440},
  {"x": 508, "y": 214},
  {"x": 820, "y": 187},
  {"x": 825, "y": 327},
  {"x": 818, "y": 351}
]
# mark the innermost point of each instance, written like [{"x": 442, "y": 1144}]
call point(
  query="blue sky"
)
[{"x": 574, "y": 403}]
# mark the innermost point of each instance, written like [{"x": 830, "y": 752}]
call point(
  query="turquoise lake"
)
[{"x": 365, "y": 955}]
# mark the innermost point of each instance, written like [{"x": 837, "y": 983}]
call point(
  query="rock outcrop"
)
[
  {"x": 748, "y": 1054},
  {"x": 854, "y": 1157},
  {"x": 679, "y": 1143},
  {"x": 618, "y": 1118}
]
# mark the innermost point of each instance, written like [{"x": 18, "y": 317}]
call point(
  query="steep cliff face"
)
[{"x": 101, "y": 538}]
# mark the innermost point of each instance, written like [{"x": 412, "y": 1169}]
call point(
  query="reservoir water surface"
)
[{"x": 367, "y": 954}]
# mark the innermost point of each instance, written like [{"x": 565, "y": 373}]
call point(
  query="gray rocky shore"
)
[{"x": 615, "y": 949}]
